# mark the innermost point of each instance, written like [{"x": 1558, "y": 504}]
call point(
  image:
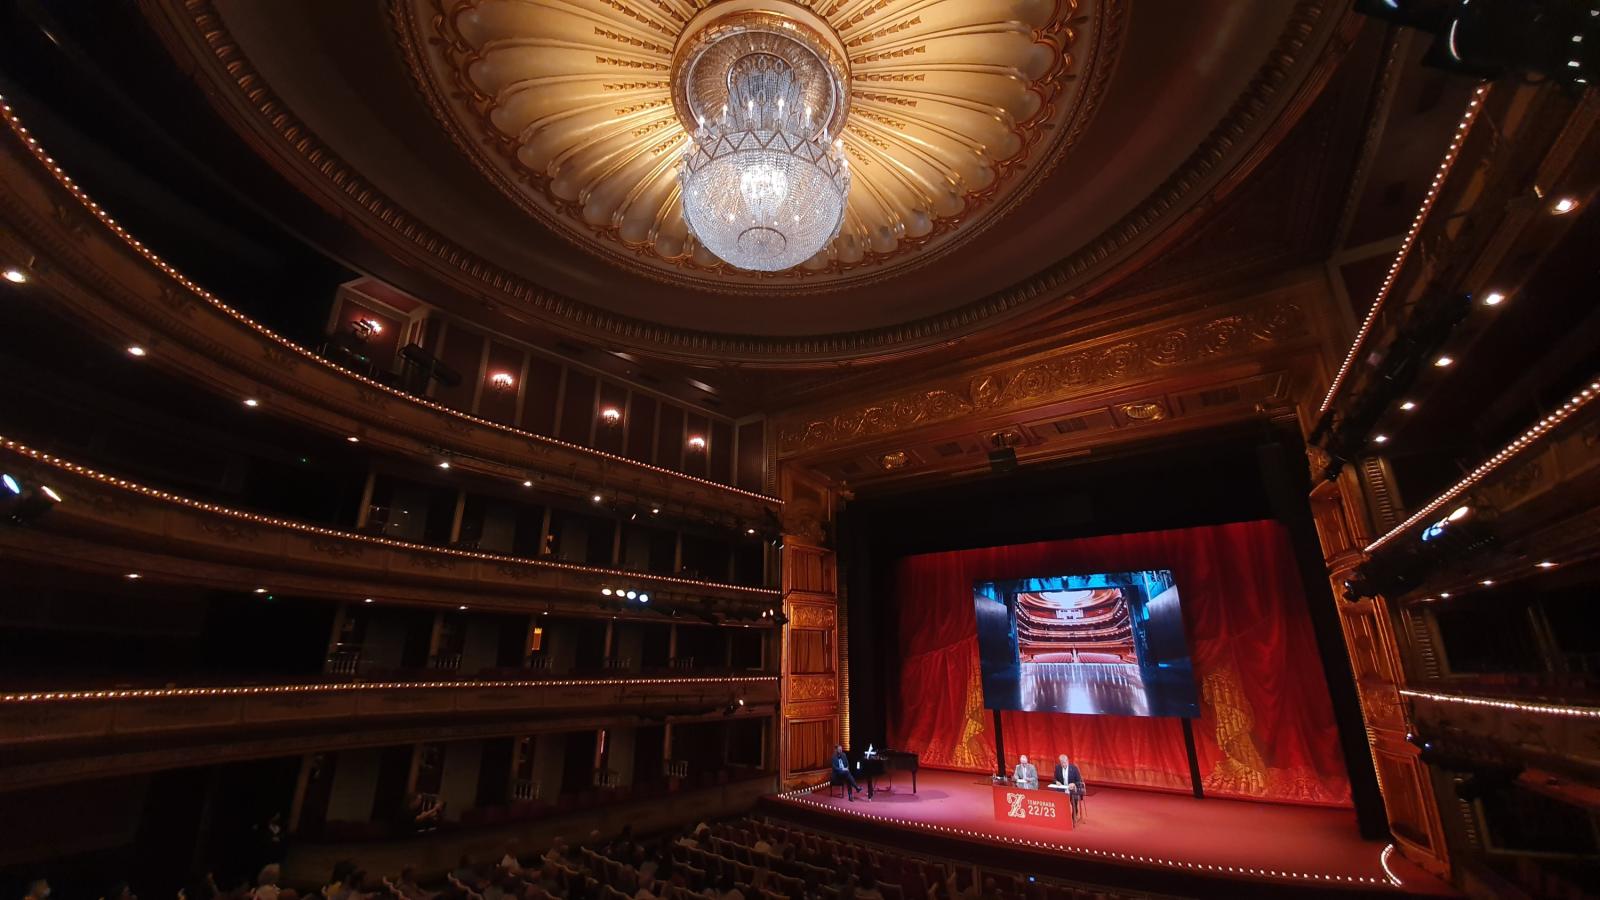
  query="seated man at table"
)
[
  {"x": 1025, "y": 775},
  {"x": 1069, "y": 779}
]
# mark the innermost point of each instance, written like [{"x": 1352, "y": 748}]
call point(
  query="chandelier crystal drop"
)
[{"x": 764, "y": 180}]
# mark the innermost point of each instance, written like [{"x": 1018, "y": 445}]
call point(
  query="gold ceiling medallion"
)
[{"x": 950, "y": 113}]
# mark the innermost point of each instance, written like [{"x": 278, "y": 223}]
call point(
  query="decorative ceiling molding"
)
[
  {"x": 1246, "y": 330},
  {"x": 195, "y": 28},
  {"x": 572, "y": 109}
]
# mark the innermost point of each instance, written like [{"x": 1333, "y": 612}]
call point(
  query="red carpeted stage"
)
[{"x": 1146, "y": 840}]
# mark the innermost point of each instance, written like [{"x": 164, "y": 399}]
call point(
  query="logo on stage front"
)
[{"x": 1016, "y": 801}]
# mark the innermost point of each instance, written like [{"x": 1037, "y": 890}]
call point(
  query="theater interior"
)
[{"x": 482, "y": 449}]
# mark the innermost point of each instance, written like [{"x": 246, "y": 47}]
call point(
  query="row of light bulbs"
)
[
  {"x": 16, "y": 275},
  {"x": 344, "y": 687},
  {"x": 805, "y": 796}
]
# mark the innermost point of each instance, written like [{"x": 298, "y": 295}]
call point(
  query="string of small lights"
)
[
  {"x": 1527, "y": 439},
  {"x": 1545, "y": 709},
  {"x": 345, "y": 687},
  {"x": 215, "y": 509},
  {"x": 1462, "y": 128},
  {"x": 803, "y": 796},
  {"x": 201, "y": 293}
]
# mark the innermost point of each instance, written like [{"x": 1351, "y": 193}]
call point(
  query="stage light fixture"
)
[
  {"x": 1493, "y": 298},
  {"x": 655, "y": 510},
  {"x": 462, "y": 607},
  {"x": 261, "y": 590},
  {"x": 133, "y": 576},
  {"x": 1547, "y": 564},
  {"x": 1459, "y": 513},
  {"x": 597, "y": 498},
  {"x": 367, "y": 600},
  {"x": 632, "y": 594},
  {"x": 605, "y": 592},
  {"x": 353, "y": 439},
  {"x": 252, "y": 402},
  {"x": 50, "y": 493},
  {"x": 1408, "y": 405},
  {"x": 1380, "y": 439},
  {"x": 136, "y": 351},
  {"x": 749, "y": 531},
  {"x": 644, "y": 598},
  {"x": 16, "y": 276},
  {"x": 1443, "y": 362},
  {"x": 1563, "y": 206},
  {"x": 527, "y": 484},
  {"x": 1487, "y": 582},
  {"x": 11, "y": 483}
]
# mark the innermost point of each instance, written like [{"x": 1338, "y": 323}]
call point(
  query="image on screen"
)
[{"x": 1107, "y": 644}]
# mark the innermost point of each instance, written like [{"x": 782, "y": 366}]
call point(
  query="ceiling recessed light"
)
[
  {"x": 1408, "y": 405},
  {"x": 1443, "y": 361},
  {"x": 1493, "y": 298},
  {"x": 16, "y": 276},
  {"x": 135, "y": 350},
  {"x": 1563, "y": 206},
  {"x": 252, "y": 402}
]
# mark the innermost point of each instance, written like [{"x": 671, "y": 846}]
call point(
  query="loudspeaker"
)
[{"x": 1003, "y": 461}]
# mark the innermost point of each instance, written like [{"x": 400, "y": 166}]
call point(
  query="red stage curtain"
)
[{"x": 1266, "y": 730}]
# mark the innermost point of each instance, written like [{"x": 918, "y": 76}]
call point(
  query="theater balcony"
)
[{"x": 1456, "y": 444}]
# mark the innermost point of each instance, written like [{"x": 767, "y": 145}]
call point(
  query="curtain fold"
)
[{"x": 1266, "y": 730}]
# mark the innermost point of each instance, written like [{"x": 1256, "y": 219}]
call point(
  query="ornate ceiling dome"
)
[{"x": 577, "y": 109}]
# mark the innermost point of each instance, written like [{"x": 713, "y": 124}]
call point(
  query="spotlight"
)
[
  {"x": 1459, "y": 513},
  {"x": 606, "y": 592},
  {"x": 749, "y": 531},
  {"x": 1547, "y": 564},
  {"x": 741, "y": 701},
  {"x": 368, "y": 600},
  {"x": 16, "y": 276},
  {"x": 444, "y": 464},
  {"x": 135, "y": 350},
  {"x": 133, "y": 576},
  {"x": 1380, "y": 439},
  {"x": 1487, "y": 582},
  {"x": 1563, "y": 206},
  {"x": 1443, "y": 362},
  {"x": 353, "y": 439},
  {"x": 527, "y": 484},
  {"x": 252, "y": 402},
  {"x": 597, "y": 498},
  {"x": 10, "y": 483},
  {"x": 1408, "y": 405},
  {"x": 50, "y": 492},
  {"x": 462, "y": 606},
  {"x": 655, "y": 510},
  {"x": 261, "y": 590},
  {"x": 632, "y": 595},
  {"x": 1493, "y": 298},
  {"x": 644, "y": 598}
]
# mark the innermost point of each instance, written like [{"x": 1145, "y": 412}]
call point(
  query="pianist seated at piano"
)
[{"x": 1025, "y": 775}]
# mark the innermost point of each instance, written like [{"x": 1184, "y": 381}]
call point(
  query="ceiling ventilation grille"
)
[
  {"x": 1219, "y": 396},
  {"x": 1068, "y": 426}
]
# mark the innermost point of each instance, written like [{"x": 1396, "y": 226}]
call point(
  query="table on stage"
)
[{"x": 1043, "y": 809}]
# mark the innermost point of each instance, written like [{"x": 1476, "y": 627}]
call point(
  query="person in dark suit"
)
[
  {"x": 841, "y": 772},
  {"x": 1068, "y": 774}
]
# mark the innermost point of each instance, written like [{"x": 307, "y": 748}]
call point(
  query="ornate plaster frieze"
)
[{"x": 1066, "y": 374}]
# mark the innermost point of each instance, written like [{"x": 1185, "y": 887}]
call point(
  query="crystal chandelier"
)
[{"x": 764, "y": 179}]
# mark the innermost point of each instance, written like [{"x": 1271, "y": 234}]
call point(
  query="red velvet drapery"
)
[{"x": 1266, "y": 730}]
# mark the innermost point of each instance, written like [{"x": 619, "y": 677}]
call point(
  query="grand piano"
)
[{"x": 878, "y": 770}]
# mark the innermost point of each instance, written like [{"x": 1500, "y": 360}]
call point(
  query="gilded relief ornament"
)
[{"x": 576, "y": 110}]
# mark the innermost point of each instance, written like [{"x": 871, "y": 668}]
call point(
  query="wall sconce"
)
[
  {"x": 366, "y": 328},
  {"x": 501, "y": 381},
  {"x": 697, "y": 443},
  {"x": 610, "y": 416}
]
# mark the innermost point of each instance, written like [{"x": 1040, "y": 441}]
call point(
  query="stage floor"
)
[{"x": 1230, "y": 840}]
